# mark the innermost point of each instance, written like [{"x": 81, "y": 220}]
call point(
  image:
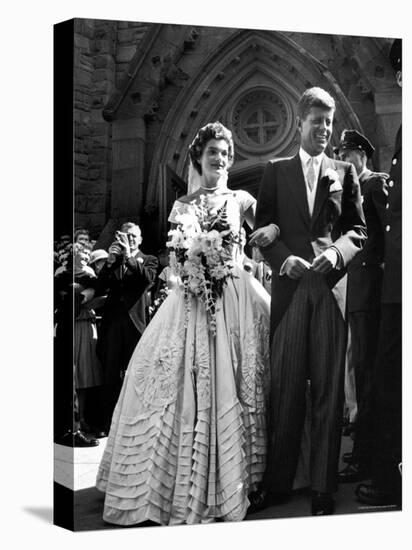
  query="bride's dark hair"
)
[{"x": 213, "y": 130}]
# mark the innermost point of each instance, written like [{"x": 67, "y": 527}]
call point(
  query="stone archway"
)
[
  {"x": 261, "y": 70},
  {"x": 251, "y": 83},
  {"x": 180, "y": 77}
]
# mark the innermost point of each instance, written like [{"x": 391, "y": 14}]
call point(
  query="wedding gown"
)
[{"x": 187, "y": 442}]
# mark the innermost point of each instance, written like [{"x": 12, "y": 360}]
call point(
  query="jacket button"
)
[
  {"x": 387, "y": 228},
  {"x": 394, "y": 161},
  {"x": 364, "y": 263},
  {"x": 391, "y": 184}
]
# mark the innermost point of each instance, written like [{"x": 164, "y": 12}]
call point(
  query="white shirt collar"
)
[{"x": 304, "y": 157}]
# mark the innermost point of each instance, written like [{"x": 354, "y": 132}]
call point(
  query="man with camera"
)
[{"x": 126, "y": 277}]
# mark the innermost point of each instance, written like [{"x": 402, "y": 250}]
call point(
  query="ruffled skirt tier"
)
[{"x": 188, "y": 437}]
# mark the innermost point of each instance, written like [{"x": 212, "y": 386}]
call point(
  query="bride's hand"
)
[{"x": 264, "y": 236}]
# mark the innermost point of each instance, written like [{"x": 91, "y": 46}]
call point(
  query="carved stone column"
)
[
  {"x": 388, "y": 106},
  {"x": 126, "y": 193},
  {"x": 128, "y": 142}
]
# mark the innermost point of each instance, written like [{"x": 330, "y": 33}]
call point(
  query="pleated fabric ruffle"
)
[
  {"x": 160, "y": 474},
  {"x": 188, "y": 437}
]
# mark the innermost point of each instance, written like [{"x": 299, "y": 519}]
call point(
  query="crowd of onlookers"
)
[
  {"x": 77, "y": 267},
  {"x": 111, "y": 295},
  {"x": 113, "y": 302}
]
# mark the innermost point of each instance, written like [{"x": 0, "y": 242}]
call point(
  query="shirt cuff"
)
[
  {"x": 283, "y": 267},
  {"x": 334, "y": 257}
]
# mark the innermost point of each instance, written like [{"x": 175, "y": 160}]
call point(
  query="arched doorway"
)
[{"x": 251, "y": 84}]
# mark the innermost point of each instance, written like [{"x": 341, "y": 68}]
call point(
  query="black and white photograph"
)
[
  {"x": 225, "y": 330},
  {"x": 235, "y": 267}
]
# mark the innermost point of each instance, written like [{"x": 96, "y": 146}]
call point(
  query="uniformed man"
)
[
  {"x": 364, "y": 288},
  {"x": 386, "y": 487}
]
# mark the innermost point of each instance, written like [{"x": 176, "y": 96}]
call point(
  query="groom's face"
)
[{"x": 315, "y": 130}]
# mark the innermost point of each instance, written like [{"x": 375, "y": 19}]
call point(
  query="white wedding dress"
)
[{"x": 188, "y": 437}]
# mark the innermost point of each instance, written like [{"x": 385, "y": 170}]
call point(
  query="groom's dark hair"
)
[{"x": 314, "y": 97}]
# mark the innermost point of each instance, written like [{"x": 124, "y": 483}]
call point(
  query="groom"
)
[{"x": 316, "y": 203}]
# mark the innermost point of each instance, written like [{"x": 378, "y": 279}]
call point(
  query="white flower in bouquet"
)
[
  {"x": 212, "y": 240},
  {"x": 177, "y": 238},
  {"x": 194, "y": 248},
  {"x": 194, "y": 267},
  {"x": 195, "y": 286},
  {"x": 189, "y": 223},
  {"x": 220, "y": 271},
  {"x": 213, "y": 258},
  {"x": 201, "y": 251}
]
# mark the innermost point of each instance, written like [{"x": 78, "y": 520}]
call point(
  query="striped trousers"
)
[{"x": 309, "y": 343}]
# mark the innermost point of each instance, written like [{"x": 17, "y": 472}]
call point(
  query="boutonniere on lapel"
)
[{"x": 331, "y": 180}]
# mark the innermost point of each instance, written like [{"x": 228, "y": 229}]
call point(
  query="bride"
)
[{"x": 187, "y": 442}]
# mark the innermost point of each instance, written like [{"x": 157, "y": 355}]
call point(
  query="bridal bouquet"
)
[{"x": 201, "y": 249}]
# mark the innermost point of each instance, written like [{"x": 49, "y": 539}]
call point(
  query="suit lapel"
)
[
  {"x": 298, "y": 187},
  {"x": 322, "y": 189},
  {"x": 117, "y": 268},
  {"x": 120, "y": 272},
  {"x": 365, "y": 176}
]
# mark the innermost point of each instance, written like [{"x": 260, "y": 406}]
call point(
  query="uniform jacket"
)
[
  {"x": 365, "y": 271},
  {"x": 392, "y": 277}
]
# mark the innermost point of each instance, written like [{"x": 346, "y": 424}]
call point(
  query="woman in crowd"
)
[
  {"x": 97, "y": 260},
  {"x": 88, "y": 370},
  {"x": 73, "y": 280},
  {"x": 187, "y": 442}
]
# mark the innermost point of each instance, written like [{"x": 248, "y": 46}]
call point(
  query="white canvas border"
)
[{"x": 27, "y": 265}]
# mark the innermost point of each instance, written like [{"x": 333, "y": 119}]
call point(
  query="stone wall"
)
[
  {"x": 94, "y": 66},
  {"x": 204, "y": 42},
  {"x": 102, "y": 53}
]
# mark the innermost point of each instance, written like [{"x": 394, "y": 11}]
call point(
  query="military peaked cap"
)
[{"x": 354, "y": 140}]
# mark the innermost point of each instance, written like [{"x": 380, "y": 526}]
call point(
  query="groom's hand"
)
[
  {"x": 264, "y": 236},
  {"x": 326, "y": 261},
  {"x": 294, "y": 267}
]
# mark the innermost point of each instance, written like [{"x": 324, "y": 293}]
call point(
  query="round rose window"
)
[{"x": 259, "y": 119}]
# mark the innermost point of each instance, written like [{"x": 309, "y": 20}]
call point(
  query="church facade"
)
[{"x": 142, "y": 90}]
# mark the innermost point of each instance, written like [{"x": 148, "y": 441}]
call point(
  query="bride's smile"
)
[{"x": 214, "y": 161}]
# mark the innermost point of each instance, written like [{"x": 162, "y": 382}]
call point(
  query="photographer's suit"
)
[
  {"x": 307, "y": 329},
  {"x": 123, "y": 319}
]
